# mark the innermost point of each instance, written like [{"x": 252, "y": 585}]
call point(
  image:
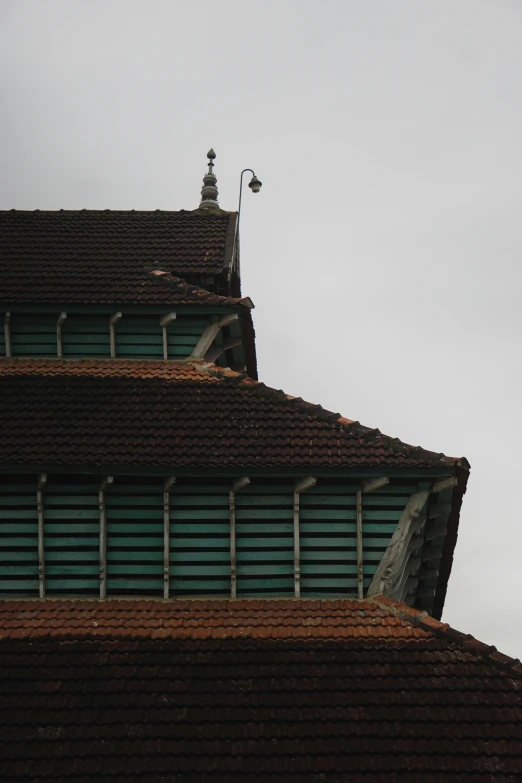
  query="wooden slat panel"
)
[
  {"x": 139, "y": 338},
  {"x": 18, "y": 538},
  {"x": 87, "y": 337},
  {"x": 265, "y": 548},
  {"x": 33, "y": 335},
  {"x": 130, "y": 567},
  {"x": 328, "y": 537},
  {"x": 199, "y": 551},
  {"x": 183, "y": 335},
  {"x": 71, "y": 545},
  {"x": 121, "y": 586}
]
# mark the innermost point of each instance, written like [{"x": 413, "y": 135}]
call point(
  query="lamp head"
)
[{"x": 255, "y": 184}]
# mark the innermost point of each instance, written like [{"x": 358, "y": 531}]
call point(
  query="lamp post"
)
[{"x": 255, "y": 187}]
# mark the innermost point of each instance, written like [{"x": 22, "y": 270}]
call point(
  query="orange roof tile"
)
[
  {"x": 251, "y": 691},
  {"x": 140, "y": 412}
]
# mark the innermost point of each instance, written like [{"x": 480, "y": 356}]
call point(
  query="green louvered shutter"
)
[
  {"x": 86, "y": 337},
  {"x": 71, "y": 539},
  {"x": 200, "y": 540},
  {"x": 18, "y": 537},
  {"x": 134, "y": 539},
  {"x": 33, "y": 335},
  {"x": 265, "y": 540}
]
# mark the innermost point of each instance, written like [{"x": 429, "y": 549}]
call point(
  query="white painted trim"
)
[{"x": 301, "y": 485}]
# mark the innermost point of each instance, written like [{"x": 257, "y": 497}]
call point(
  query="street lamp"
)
[{"x": 255, "y": 187}]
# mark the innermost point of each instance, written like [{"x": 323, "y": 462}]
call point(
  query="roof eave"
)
[{"x": 462, "y": 468}]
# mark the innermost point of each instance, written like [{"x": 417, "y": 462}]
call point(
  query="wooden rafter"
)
[
  {"x": 107, "y": 481},
  {"x": 238, "y": 484},
  {"x": 164, "y": 322},
  {"x": 375, "y": 483},
  {"x": 42, "y": 479},
  {"x": 113, "y": 320},
  {"x": 215, "y": 351},
  {"x": 167, "y": 487},
  {"x": 7, "y": 333},
  {"x": 59, "y": 323},
  {"x": 209, "y": 335}
]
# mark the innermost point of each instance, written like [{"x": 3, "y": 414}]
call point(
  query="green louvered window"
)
[
  {"x": 84, "y": 337},
  {"x": 71, "y": 538},
  {"x": 140, "y": 338},
  {"x": 183, "y": 335},
  {"x": 88, "y": 336},
  {"x": 33, "y": 335},
  {"x": 134, "y": 539},
  {"x": 265, "y": 540},
  {"x": 196, "y": 557},
  {"x": 199, "y": 540},
  {"x": 18, "y": 537}
]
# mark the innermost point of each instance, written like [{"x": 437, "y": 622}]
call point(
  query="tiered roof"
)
[
  {"x": 252, "y": 690},
  {"x": 195, "y": 690},
  {"x": 93, "y": 257},
  {"x": 178, "y": 414}
]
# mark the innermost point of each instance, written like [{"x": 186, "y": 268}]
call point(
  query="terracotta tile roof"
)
[
  {"x": 96, "y": 257},
  {"x": 250, "y": 691},
  {"x": 150, "y": 413},
  {"x": 180, "y": 292}
]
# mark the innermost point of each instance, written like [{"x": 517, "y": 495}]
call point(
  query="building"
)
[{"x": 203, "y": 577}]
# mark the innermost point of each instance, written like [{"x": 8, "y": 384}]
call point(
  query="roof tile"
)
[
  {"x": 136, "y": 412},
  {"x": 278, "y": 692},
  {"x": 96, "y": 257}
]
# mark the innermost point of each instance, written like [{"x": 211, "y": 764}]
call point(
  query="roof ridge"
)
[
  {"x": 164, "y": 276},
  {"x": 421, "y": 619},
  {"x": 369, "y": 433},
  {"x": 84, "y": 210}
]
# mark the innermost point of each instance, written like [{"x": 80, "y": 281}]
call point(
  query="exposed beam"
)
[
  {"x": 394, "y": 555},
  {"x": 301, "y": 485},
  {"x": 103, "y": 534},
  {"x": 113, "y": 320},
  {"x": 210, "y": 334},
  {"x": 215, "y": 351},
  {"x": 375, "y": 483},
  {"x": 167, "y": 487},
  {"x": 42, "y": 479},
  {"x": 59, "y": 323},
  {"x": 238, "y": 484},
  {"x": 444, "y": 483},
  {"x": 164, "y": 322},
  {"x": 7, "y": 333}
]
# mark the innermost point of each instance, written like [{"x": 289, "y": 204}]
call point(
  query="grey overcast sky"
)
[{"x": 383, "y": 251}]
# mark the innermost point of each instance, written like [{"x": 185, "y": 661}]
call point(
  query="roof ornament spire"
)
[{"x": 209, "y": 191}]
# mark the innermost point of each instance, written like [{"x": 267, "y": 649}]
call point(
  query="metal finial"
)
[{"x": 209, "y": 191}]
